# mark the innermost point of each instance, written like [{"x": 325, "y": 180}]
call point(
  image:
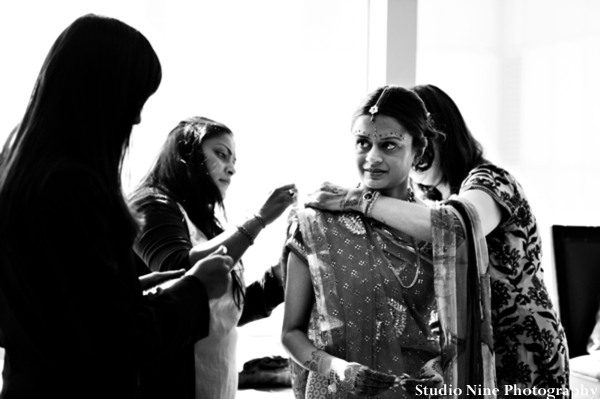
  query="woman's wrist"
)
[
  {"x": 261, "y": 220},
  {"x": 369, "y": 198},
  {"x": 251, "y": 228},
  {"x": 320, "y": 362},
  {"x": 339, "y": 372}
]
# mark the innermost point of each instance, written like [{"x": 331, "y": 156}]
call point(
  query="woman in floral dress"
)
[{"x": 529, "y": 341}]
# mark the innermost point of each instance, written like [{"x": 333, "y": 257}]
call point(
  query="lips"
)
[
  {"x": 225, "y": 181},
  {"x": 375, "y": 172}
]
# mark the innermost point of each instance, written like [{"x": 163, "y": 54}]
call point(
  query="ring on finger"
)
[{"x": 291, "y": 193}]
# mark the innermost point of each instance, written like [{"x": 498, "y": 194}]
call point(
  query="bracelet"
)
[
  {"x": 245, "y": 232},
  {"x": 260, "y": 220},
  {"x": 333, "y": 381},
  {"x": 370, "y": 197}
]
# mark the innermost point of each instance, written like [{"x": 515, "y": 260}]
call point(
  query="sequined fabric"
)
[
  {"x": 462, "y": 287},
  {"x": 362, "y": 313}
]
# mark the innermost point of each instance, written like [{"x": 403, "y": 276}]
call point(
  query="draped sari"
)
[{"x": 377, "y": 297}]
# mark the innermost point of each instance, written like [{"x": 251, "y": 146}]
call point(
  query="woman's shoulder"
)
[
  {"x": 148, "y": 196},
  {"x": 493, "y": 179},
  {"x": 489, "y": 171},
  {"x": 501, "y": 185}
]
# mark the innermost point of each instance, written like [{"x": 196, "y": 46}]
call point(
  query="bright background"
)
[{"x": 287, "y": 75}]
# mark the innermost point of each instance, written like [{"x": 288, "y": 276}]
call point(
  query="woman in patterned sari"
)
[
  {"x": 529, "y": 341},
  {"x": 361, "y": 296}
]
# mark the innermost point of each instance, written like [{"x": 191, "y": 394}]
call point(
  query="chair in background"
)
[{"x": 577, "y": 260}]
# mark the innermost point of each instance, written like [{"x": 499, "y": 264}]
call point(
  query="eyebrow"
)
[{"x": 228, "y": 150}]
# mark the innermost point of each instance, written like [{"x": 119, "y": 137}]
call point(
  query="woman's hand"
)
[
  {"x": 352, "y": 377},
  {"x": 430, "y": 376},
  {"x": 331, "y": 197},
  {"x": 153, "y": 279},
  {"x": 361, "y": 380},
  {"x": 214, "y": 272},
  {"x": 279, "y": 200}
]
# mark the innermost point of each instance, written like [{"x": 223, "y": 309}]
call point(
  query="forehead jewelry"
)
[
  {"x": 375, "y": 108},
  {"x": 373, "y": 111},
  {"x": 375, "y": 135}
]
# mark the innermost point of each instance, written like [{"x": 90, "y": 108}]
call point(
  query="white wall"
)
[{"x": 525, "y": 75}]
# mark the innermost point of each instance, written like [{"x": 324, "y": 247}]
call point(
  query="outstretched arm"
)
[
  {"x": 238, "y": 239},
  {"x": 410, "y": 218},
  {"x": 164, "y": 243}
]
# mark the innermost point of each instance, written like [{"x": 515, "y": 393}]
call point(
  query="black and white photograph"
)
[{"x": 303, "y": 199}]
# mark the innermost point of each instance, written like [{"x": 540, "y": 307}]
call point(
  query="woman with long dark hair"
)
[
  {"x": 73, "y": 318},
  {"x": 177, "y": 200}
]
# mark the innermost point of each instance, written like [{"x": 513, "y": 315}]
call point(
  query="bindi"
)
[{"x": 379, "y": 135}]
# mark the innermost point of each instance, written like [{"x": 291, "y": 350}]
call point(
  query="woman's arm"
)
[
  {"x": 164, "y": 243},
  {"x": 415, "y": 219},
  {"x": 235, "y": 240},
  {"x": 349, "y": 377},
  {"x": 487, "y": 208},
  {"x": 298, "y": 307},
  {"x": 238, "y": 239},
  {"x": 410, "y": 218},
  {"x": 262, "y": 296}
]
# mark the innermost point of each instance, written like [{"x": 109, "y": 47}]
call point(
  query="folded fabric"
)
[
  {"x": 265, "y": 372},
  {"x": 587, "y": 365}
]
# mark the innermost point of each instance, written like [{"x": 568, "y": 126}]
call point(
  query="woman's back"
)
[{"x": 53, "y": 277}]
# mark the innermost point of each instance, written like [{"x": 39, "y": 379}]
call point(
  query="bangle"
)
[
  {"x": 260, "y": 220},
  {"x": 333, "y": 381},
  {"x": 370, "y": 197},
  {"x": 245, "y": 232}
]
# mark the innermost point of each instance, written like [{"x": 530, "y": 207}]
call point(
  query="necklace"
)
[
  {"x": 410, "y": 197},
  {"x": 418, "y": 267}
]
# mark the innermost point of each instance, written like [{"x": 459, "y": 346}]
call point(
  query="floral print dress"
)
[{"x": 529, "y": 340}]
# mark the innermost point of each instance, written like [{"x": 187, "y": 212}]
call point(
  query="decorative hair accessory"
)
[
  {"x": 373, "y": 110},
  {"x": 382, "y": 97}
]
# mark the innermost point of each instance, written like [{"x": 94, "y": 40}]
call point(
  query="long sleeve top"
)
[{"x": 164, "y": 244}]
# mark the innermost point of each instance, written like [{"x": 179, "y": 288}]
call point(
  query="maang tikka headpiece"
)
[{"x": 375, "y": 108}]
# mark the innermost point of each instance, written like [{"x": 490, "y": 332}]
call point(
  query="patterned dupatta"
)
[
  {"x": 462, "y": 288},
  {"x": 361, "y": 315}
]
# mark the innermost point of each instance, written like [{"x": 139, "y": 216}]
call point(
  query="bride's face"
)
[{"x": 384, "y": 154}]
